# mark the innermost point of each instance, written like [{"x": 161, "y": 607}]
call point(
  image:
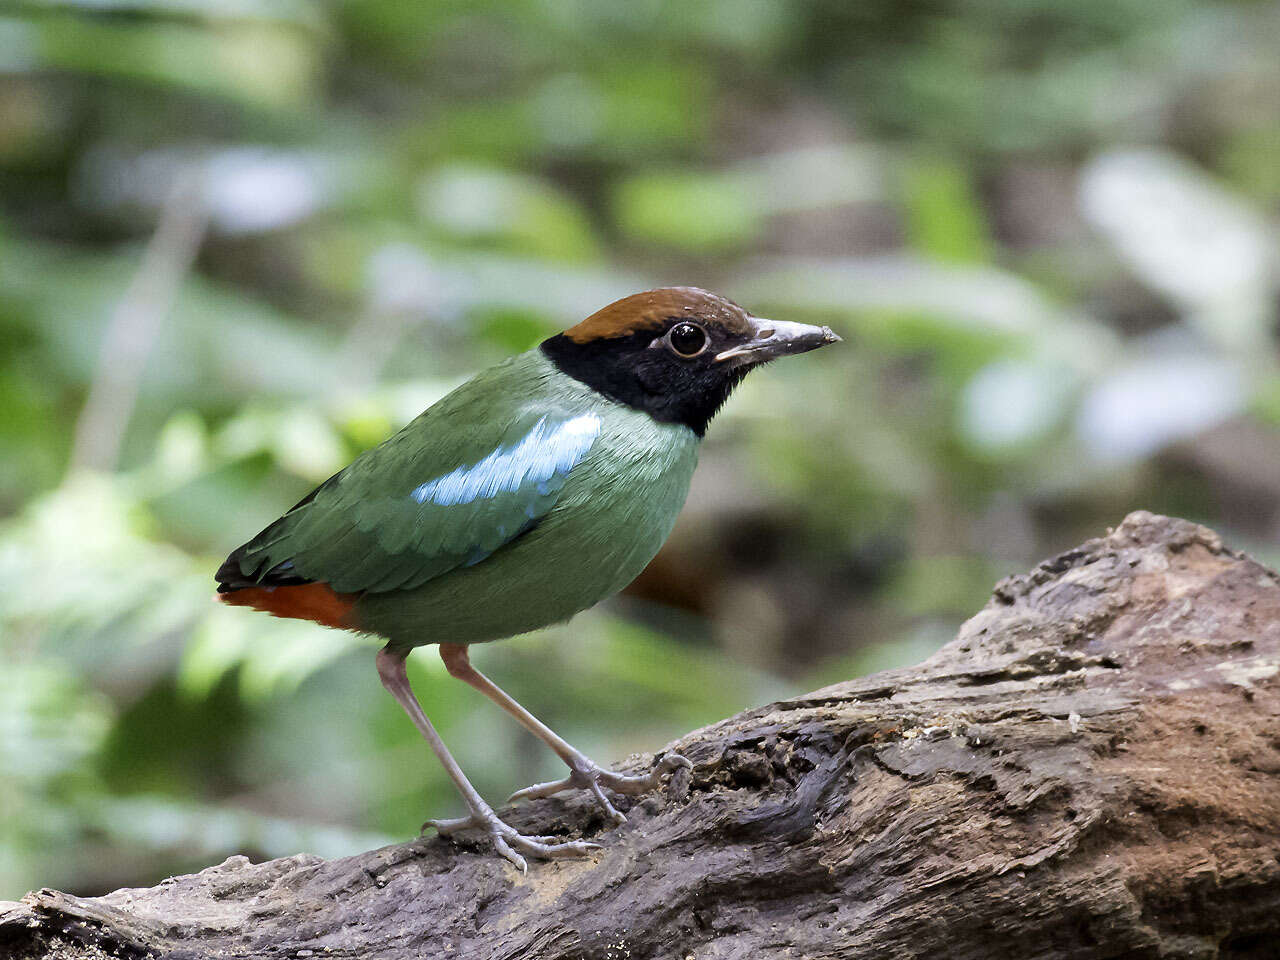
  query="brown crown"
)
[{"x": 652, "y": 309}]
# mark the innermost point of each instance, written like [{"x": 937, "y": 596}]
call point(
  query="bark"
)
[{"x": 1090, "y": 769}]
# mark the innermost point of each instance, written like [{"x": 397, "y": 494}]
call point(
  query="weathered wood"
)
[{"x": 1090, "y": 769}]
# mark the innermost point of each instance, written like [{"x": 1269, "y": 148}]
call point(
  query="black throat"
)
[{"x": 628, "y": 371}]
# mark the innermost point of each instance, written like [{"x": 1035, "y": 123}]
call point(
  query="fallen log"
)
[{"x": 1090, "y": 769}]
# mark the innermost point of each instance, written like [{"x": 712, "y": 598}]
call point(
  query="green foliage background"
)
[{"x": 1047, "y": 230}]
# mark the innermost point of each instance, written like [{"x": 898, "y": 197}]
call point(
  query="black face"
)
[{"x": 670, "y": 372}]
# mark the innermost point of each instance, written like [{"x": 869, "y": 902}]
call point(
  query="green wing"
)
[{"x": 448, "y": 490}]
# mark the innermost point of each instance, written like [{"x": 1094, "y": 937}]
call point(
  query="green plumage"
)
[
  {"x": 505, "y": 561},
  {"x": 530, "y": 493}
]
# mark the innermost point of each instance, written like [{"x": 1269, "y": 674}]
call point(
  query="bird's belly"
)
[{"x": 607, "y": 526}]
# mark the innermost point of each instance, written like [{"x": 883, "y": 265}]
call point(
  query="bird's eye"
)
[{"x": 687, "y": 339}]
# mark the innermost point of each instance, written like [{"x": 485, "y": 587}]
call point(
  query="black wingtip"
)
[{"x": 230, "y": 575}]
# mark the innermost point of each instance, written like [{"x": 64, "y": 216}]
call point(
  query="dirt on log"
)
[{"x": 1091, "y": 769}]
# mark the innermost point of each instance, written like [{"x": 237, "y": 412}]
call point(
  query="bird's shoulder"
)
[{"x": 518, "y": 407}]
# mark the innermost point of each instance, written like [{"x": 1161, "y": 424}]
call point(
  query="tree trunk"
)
[{"x": 1090, "y": 769}]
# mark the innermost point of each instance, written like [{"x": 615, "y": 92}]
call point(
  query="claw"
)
[
  {"x": 604, "y": 803},
  {"x": 503, "y": 848}
]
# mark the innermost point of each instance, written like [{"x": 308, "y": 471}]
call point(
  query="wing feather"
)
[{"x": 421, "y": 504}]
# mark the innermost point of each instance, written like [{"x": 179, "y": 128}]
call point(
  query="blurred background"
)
[{"x": 242, "y": 240}]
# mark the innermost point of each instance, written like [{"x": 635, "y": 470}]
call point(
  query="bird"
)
[{"x": 530, "y": 493}]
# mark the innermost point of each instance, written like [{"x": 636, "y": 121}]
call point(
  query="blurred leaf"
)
[
  {"x": 944, "y": 585},
  {"x": 944, "y": 219},
  {"x": 1009, "y": 403},
  {"x": 256, "y": 62},
  {"x": 51, "y": 726},
  {"x": 979, "y": 299},
  {"x": 1154, "y": 401},
  {"x": 652, "y": 105},
  {"x": 812, "y": 179},
  {"x": 1267, "y": 400},
  {"x": 516, "y": 212},
  {"x": 40, "y": 739},
  {"x": 688, "y": 211},
  {"x": 1188, "y": 238},
  {"x": 203, "y": 830},
  {"x": 915, "y": 647},
  {"x": 78, "y": 570},
  {"x": 706, "y": 212},
  {"x": 270, "y": 656},
  {"x": 246, "y": 188},
  {"x": 1252, "y": 160}
]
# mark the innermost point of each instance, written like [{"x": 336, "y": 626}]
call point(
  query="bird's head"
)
[{"x": 676, "y": 352}]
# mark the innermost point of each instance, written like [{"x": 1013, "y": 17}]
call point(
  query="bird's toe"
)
[
  {"x": 510, "y": 843},
  {"x": 538, "y": 790},
  {"x": 605, "y": 804},
  {"x": 636, "y": 784},
  {"x": 505, "y": 850},
  {"x": 448, "y": 827},
  {"x": 557, "y": 851},
  {"x": 586, "y": 775}
]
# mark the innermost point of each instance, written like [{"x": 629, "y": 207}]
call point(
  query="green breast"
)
[{"x": 616, "y": 509}]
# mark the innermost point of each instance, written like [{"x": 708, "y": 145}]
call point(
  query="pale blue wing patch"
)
[
  {"x": 548, "y": 451},
  {"x": 458, "y": 518},
  {"x": 472, "y": 511}
]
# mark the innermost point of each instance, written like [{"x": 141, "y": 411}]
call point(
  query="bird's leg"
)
[
  {"x": 506, "y": 839},
  {"x": 584, "y": 772}
]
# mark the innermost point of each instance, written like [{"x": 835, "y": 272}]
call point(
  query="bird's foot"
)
[
  {"x": 507, "y": 840},
  {"x": 586, "y": 775}
]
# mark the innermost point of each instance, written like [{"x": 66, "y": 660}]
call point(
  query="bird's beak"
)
[{"x": 776, "y": 338}]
